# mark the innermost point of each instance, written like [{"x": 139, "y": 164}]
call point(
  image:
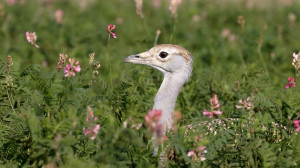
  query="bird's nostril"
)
[{"x": 136, "y": 56}]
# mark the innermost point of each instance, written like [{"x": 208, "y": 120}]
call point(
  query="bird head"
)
[{"x": 167, "y": 58}]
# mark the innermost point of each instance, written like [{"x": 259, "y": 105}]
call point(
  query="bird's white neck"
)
[{"x": 166, "y": 96}]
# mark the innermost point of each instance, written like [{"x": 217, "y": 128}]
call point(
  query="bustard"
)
[{"x": 176, "y": 64}]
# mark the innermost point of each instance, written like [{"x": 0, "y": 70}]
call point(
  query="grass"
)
[{"x": 43, "y": 113}]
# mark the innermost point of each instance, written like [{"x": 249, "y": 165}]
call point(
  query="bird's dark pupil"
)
[{"x": 163, "y": 54}]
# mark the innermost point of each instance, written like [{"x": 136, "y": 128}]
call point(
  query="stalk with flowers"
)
[
  {"x": 296, "y": 64},
  {"x": 71, "y": 68},
  {"x": 214, "y": 108},
  {"x": 31, "y": 38},
  {"x": 174, "y": 4},
  {"x": 110, "y": 29},
  {"x": 93, "y": 129}
]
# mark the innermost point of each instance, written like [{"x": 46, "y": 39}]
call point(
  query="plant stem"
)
[
  {"x": 297, "y": 80},
  {"x": 109, "y": 59},
  {"x": 9, "y": 99},
  {"x": 173, "y": 30},
  {"x": 146, "y": 28},
  {"x": 263, "y": 61},
  {"x": 156, "y": 38},
  {"x": 242, "y": 60}
]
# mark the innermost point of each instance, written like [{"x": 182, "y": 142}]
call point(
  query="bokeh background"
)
[{"x": 208, "y": 29}]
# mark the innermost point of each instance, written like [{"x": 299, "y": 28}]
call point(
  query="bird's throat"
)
[{"x": 166, "y": 97}]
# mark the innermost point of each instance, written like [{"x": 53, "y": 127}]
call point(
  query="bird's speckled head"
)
[{"x": 167, "y": 58}]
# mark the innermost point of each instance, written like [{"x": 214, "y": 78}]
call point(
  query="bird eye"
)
[{"x": 163, "y": 54}]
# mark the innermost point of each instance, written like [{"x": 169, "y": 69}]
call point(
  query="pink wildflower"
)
[
  {"x": 95, "y": 131},
  {"x": 139, "y": 8},
  {"x": 70, "y": 70},
  {"x": 11, "y": 2},
  {"x": 110, "y": 28},
  {"x": 202, "y": 148},
  {"x": 297, "y": 125},
  {"x": 133, "y": 124},
  {"x": 291, "y": 83},
  {"x": 152, "y": 122},
  {"x": 136, "y": 126},
  {"x": 214, "y": 101},
  {"x": 214, "y": 104},
  {"x": 225, "y": 33},
  {"x": 156, "y": 3},
  {"x": 92, "y": 130},
  {"x": 296, "y": 62},
  {"x": 191, "y": 153},
  {"x": 202, "y": 158},
  {"x": 31, "y": 38},
  {"x": 174, "y": 4},
  {"x": 206, "y": 113},
  {"x": 217, "y": 113},
  {"x": 87, "y": 131},
  {"x": 58, "y": 15},
  {"x": 90, "y": 116},
  {"x": 197, "y": 153},
  {"x": 244, "y": 104},
  {"x": 295, "y": 57}
]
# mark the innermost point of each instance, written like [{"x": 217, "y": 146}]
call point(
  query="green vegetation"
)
[{"x": 239, "y": 51}]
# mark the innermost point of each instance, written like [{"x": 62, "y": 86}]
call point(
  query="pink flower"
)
[
  {"x": 191, "y": 153},
  {"x": 295, "y": 56},
  {"x": 110, "y": 29},
  {"x": 136, "y": 126},
  {"x": 217, "y": 113},
  {"x": 202, "y": 148},
  {"x": 152, "y": 122},
  {"x": 90, "y": 115},
  {"x": 291, "y": 83},
  {"x": 94, "y": 129},
  {"x": 139, "y": 8},
  {"x": 87, "y": 131},
  {"x": 225, "y": 33},
  {"x": 156, "y": 3},
  {"x": 58, "y": 15},
  {"x": 132, "y": 123},
  {"x": 206, "y": 113},
  {"x": 174, "y": 4},
  {"x": 297, "y": 125},
  {"x": 244, "y": 104},
  {"x": 70, "y": 70},
  {"x": 214, "y": 108},
  {"x": 202, "y": 158},
  {"x": 214, "y": 101},
  {"x": 197, "y": 153},
  {"x": 11, "y": 2},
  {"x": 31, "y": 38},
  {"x": 296, "y": 61}
]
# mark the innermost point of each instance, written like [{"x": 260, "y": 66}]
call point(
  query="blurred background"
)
[{"x": 208, "y": 29}]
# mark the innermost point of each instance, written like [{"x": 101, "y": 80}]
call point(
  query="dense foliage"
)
[{"x": 241, "y": 49}]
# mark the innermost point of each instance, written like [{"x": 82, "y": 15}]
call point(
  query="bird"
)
[{"x": 176, "y": 65}]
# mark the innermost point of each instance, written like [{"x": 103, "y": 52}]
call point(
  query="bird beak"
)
[{"x": 141, "y": 58}]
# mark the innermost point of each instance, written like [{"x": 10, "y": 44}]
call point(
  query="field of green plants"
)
[{"x": 68, "y": 99}]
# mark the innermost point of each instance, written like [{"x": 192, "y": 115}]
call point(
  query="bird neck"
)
[{"x": 166, "y": 96}]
